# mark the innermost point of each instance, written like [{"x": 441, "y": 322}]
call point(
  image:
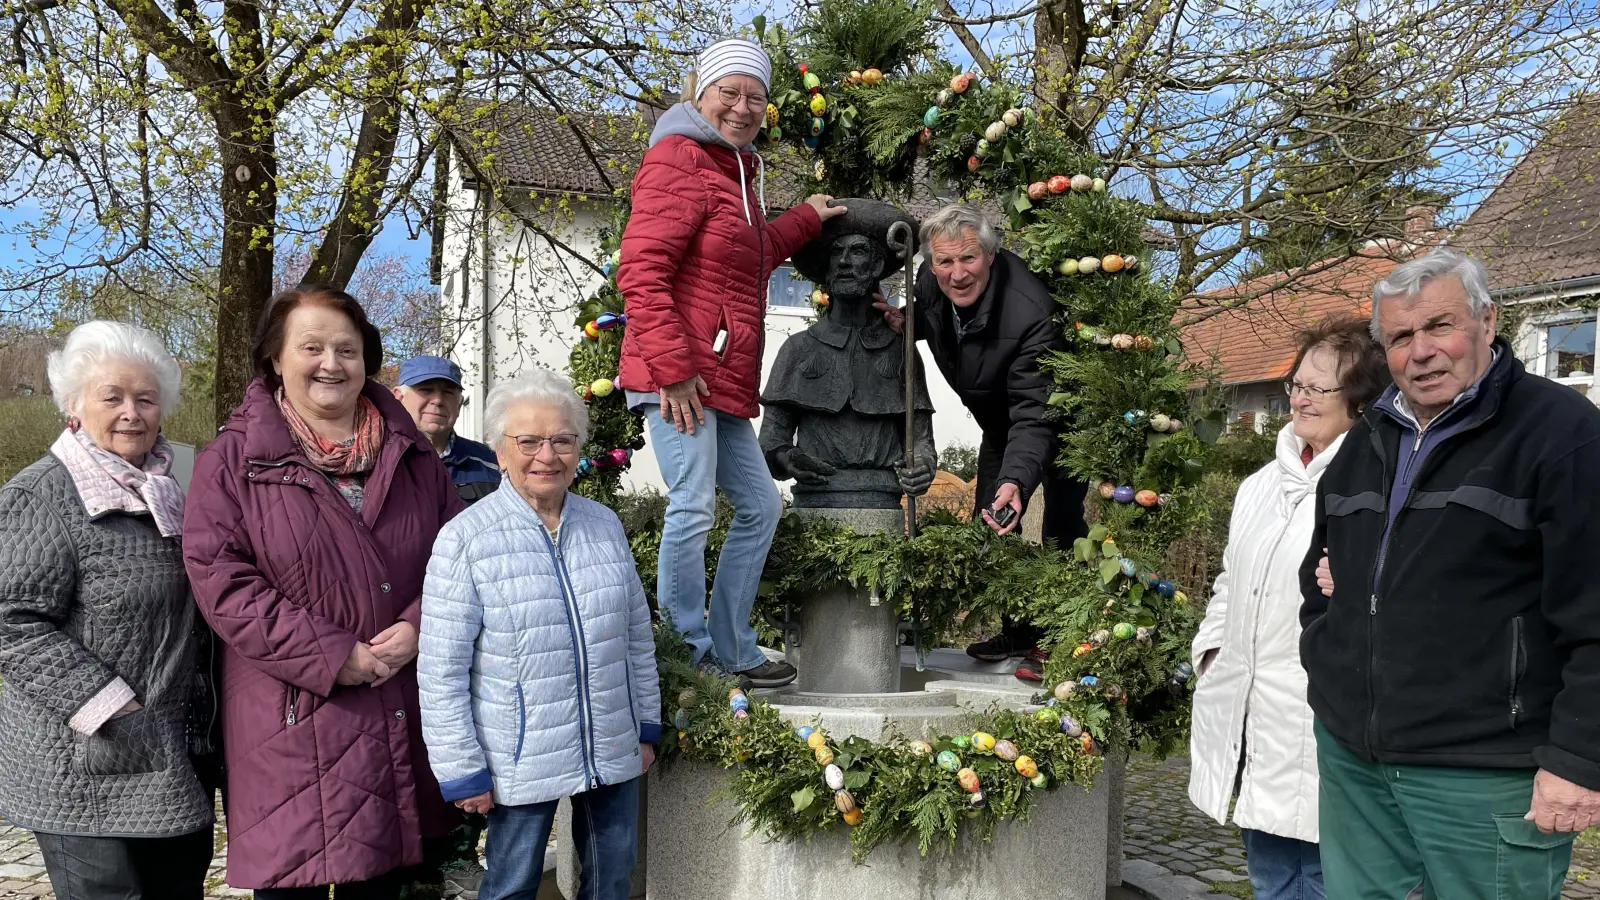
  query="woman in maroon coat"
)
[{"x": 309, "y": 523}]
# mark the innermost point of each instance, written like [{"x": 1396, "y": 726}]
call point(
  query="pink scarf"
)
[
  {"x": 353, "y": 458},
  {"x": 106, "y": 481}
]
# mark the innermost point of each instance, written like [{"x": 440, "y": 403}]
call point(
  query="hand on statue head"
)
[
  {"x": 916, "y": 478},
  {"x": 821, "y": 203},
  {"x": 893, "y": 316},
  {"x": 808, "y": 470}
]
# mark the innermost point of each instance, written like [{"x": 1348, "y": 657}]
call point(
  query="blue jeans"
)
[
  {"x": 721, "y": 453},
  {"x": 1282, "y": 868},
  {"x": 605, "y": 829}
]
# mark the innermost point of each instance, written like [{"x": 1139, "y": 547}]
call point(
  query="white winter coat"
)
[
  {"x": 536, "y": 662},
  {"x": 1253, "y": 697}
]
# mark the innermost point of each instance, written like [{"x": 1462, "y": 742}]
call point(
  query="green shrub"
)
[{"x": 32, "y": 424}]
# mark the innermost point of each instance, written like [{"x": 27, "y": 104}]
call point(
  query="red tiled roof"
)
[
  {"x": 1542, "y": 223},
  {"x": 1251, "y": 337}
]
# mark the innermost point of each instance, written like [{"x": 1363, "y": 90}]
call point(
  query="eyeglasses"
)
[
  {"x": 529, "y": 444},
  {"x": 1310, "y": 392},
  {"x": 731, "y": 96}
]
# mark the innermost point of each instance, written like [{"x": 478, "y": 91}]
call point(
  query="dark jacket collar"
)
[{"x": 266, "y": 435}]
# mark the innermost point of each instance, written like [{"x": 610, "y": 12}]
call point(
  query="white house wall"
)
[{"x": 533, "y": 291}]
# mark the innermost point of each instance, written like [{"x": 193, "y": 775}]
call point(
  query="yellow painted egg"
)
[
  {"x": 819, "y": 104},
  {"x": 817, "y": 740},
  {"x": 602, "y": 387},
  {"x": 1026, "y": 767},
  {"x": 982, "y": 741}
]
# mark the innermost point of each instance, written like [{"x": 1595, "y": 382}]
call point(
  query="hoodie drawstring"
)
[{"x": 761, "y": 186}]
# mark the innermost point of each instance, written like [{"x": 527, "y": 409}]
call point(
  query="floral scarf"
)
[
  {"x": 349, "y": 458},
  {"x": 106, "y": 481}
]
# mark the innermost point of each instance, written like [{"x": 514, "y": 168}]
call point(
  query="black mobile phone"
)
[{"x": 1003, "y": 515}]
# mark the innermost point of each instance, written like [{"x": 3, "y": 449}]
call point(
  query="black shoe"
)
[
  {"x": 713, "y": 669},
  {"x": 771, "y": 674},
  {"x": 998, "y": 649}
]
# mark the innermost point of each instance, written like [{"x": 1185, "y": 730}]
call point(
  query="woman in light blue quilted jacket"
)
[{"x": 537, "y": 664}]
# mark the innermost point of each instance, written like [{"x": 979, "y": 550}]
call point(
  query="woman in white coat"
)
[{"x": 1252, "y": 726}]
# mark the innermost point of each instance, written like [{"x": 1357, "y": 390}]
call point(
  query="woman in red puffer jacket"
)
[{"x": 696, "y": 257}]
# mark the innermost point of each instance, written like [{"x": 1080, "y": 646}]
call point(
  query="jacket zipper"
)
[
  {"x": 580, "y": 656},
  {"x": 289, "y": 717},
  {"x": 1517, "y": 662},
  {"x": 522, "y": 724},
  {"x": 1417, "y": 470}
]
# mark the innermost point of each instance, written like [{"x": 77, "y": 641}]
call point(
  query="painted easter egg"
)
[
  {"x": 819, "y": 104},
  {"x": 843, "y": 802},
  {"x": 1147, "y": 498},
  {"x": 853, "y": 817},
  {"x": 1068, "y": 267},
  {"x": 811, "y": 81},
  {"x": 1026, "y": 767},
  {"x": 772, "y": 115},
  {"x": 816, "y": 740},
  {"x": 1070, "y": 726},
  {"x": 1123, "y": 631},
  {"x": 824, "y": 756},
  {"x": 681, "y": 719},
  {"x": 1012, "y": 118},
  {"x": 1107, "y": 490},
  {"x": 1100, "y": 637},
  {"x": 1065, "y": 690},
  {"x": 591, "y": 331},
  {"x": 1128, "y": 566},
  {"x": 977, "y": 799},
  {"x": 1122, "y": 341},
  {"x": 1089, "y": 265},
  {"x": 1059, "y": 184},
  {"x": 1111, "y": 262},
  {"x": 1005, "y": 750},
  {"x": 1082, "y": 182},
  {"x": 1166, "y": 589},
  {"x": 948, "y": 760},
  {"x": 872, "y": 76},
  {"x": 1124, "y": 494},
  {"x": 921, "y": 748},
  {"x": 996, "y": 132},
  {"x": 930, "y": 117},
  {"x": 1038, "y": 190},
  {"x": 834, "y": 777},
  {"x": 968, "y": 780},
  {"x": 803, "y": 732},
  {"x": 982, "y": 741},
  {"x": 816, "y": 127},
  {"x": 961, "y": 82},
  {"x": 1082, "y": 650},
  {"x": 1040, "y": 781},
  {"x": 1089, "y": 681}
]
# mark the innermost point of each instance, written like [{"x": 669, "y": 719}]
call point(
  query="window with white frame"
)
[{"x": 1568, "y": 341}]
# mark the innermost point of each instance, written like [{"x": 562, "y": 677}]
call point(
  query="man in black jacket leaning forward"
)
[
  {"x": 988, "y": 321},
  {"x": 1456, "y": 678}
]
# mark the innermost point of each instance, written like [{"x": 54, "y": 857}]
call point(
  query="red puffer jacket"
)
[{"x": 696, "y": 256}]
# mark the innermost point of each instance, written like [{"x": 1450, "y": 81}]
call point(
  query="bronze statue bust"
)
[{"x": 833, "y": 416}]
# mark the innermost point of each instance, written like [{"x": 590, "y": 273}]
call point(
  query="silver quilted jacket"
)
[
  {"x": 537, "y": 664},
  {"x": 83, "y": 602}
]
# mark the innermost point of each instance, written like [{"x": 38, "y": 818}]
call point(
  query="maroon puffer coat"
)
[
  {"x": 326, "y": 784},
  {"x": 696, "y": 256}
]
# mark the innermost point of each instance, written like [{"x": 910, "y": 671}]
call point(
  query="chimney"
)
[
  {"x": 1419, "y": 220},
  {"x": 650, "y": 112}
]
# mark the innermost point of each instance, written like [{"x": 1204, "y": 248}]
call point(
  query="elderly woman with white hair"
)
[
  {"x": 98, "y": 636},
  {"x": 537, "y": 666}
]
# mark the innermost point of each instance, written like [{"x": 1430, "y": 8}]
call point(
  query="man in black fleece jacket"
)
[
  {"x": 988, "y": 322},
  {"x": 1455, "y": 670}
]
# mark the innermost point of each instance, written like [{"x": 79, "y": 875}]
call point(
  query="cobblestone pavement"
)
[{"x": 1164, "y": 828}]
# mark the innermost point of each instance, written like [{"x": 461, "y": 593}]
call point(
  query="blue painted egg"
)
[
  {"x": 738, "y": 702},
  {"x": 803, "y": 732},
  {"x": 1123, "y": 494},
  {"x": 1129, "y": 567},
  {"x": 1088, "y": 681},
  {"x": 585, "y": 466},
  {"x": 812, "y": 142},
  {"x": 931, "y": 116},
  {"x": 1166, "y": 589},
  {"x": 948, "y": 761},
  {"x": 681, "y": 719}
]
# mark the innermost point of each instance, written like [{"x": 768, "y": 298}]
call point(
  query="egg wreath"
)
[{"x": 1119, "y": 677}]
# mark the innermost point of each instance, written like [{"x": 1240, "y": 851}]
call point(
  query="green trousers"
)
[{"x": 1459, "y": 833}]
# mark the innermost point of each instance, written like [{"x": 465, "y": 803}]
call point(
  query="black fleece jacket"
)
[
  {"x": 992, "y": 361},
  {"x": 1470, "y": 635}
]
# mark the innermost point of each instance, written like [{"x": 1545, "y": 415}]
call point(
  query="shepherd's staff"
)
[{"x": 900, "y": 240}]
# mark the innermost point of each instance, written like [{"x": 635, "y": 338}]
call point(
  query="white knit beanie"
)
[{"x": 734, "y": 56}]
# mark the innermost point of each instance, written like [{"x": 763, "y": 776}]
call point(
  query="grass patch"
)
[
  {"x": 1240, "y": 889},
  {"x": 32, "y": 424},
  {"x": 1590, "y": 838}
]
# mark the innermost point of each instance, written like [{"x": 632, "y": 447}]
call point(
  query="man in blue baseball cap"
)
[{"x": 430, "y": 389}]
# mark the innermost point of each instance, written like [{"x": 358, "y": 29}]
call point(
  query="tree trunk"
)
[
  {"x": 249, "y": 215},
  {"x": 1060, "y": 39}
]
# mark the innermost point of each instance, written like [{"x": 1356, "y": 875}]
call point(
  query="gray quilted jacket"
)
[
  {"x": 82, "y": 602},
  {"x": 537, "y": 665}
]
